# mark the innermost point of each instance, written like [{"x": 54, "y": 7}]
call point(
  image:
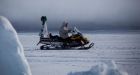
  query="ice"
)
[
  {"x": 124, "y": 49},
  {"x": 102, "y": 69},
  {"x": 12, "y": 59},
  {"x": 113, "y": 54}
]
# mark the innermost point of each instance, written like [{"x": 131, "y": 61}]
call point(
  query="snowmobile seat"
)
[{"x": 45, "y": 39}]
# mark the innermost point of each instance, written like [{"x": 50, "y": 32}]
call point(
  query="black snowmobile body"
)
[{"x": 76, "y": 41}]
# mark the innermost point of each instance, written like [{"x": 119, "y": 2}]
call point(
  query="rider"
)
[
  {"x": 63, "y": 31},
  {"x": 43, "y": 19}
]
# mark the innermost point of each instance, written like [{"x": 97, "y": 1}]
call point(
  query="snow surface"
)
[
  {"x": 12, "y": 59},
  {"x": 113, "y": 54},
  {"x": 102, "y": 69}
]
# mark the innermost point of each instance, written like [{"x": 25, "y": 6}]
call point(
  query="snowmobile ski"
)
[{"x": 67, "y": 48}]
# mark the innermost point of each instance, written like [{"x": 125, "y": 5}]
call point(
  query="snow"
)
[
  {"x": 12, "y": 59},
  {"x": 102, "y": 69},
  {"x": 113, "y": 54}
]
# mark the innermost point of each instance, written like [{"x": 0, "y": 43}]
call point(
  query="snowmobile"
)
[{"x": 55, "y": 42}]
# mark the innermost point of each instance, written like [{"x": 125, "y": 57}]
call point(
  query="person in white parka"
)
[{"x": 12, "y": 59}]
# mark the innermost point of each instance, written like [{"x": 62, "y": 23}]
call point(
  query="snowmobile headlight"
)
[{"x": 85, "y": 38}]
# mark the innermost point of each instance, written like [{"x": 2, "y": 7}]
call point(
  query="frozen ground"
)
[{"x": 124, "y": 49}]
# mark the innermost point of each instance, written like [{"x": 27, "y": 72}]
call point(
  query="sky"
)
[{"x": 84, "y": 14}]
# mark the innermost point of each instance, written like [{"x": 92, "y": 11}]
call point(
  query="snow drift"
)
[
  {"x": 109, "y": 68},
  {"x": 12, "y": 59}
]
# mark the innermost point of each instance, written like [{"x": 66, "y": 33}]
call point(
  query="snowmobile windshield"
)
[{"x": 76, "y": 31}]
